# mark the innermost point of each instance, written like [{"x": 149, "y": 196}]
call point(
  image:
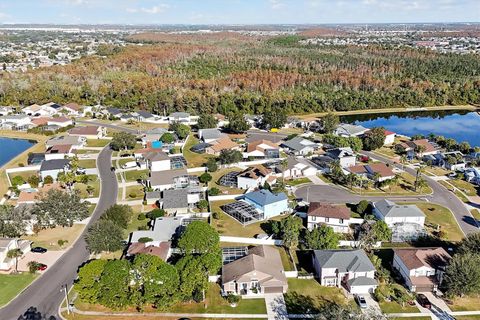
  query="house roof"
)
[
  {"x": 388, "y": 208},
  {"x": 355, "y": 260},
  {"x": 362, "y": 281},
  {"x": 64, "y": 140},
  {"x": 40, "y": 121},
  {"x": 114, "y": 111},
  {"x": 380, "y": 168},
  {"x": 175, "y": 199},
  {"x": 261, "y": 145},
  {"x": 166, "y": 177},
  {"x": 160, "y": 251},
  {"x": 425, "y": 257},
  {"x": 88, "y": 130},
  {"x": 32, "y": 195},
  {"x": 338, "y": 153},
  {"x": 261, "y": 260},
  {"x": 156, "y": 156},
  {"x": 164, "y": 229},
  {"x": 350, "y": 129},
  {"x": 209, "y": 134},
  {"x": 256, "y": 172},
  {"x": 298, "y": 143},
  {"x": 358, "y": 169},
  {"x": 265, "y": 197},
  {"x": 59, "y": 148},
  {"x": 153, "y": 195},
  {"x": 73, "y": 106},
  {"x": 55, "y": 164},
  {"x": 223, "y": 144},
  {"x": 319, "y": 209},
  {"x": 424, "y": 142},
  {"x": 144, "y": 114},
  {"x": 59, "y": 119},
  {"x": 179, "y": 115}
]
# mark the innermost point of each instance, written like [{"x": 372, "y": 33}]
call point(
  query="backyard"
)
[
  {"x": 193, "y": 159},
  {"x": 220, "y": 173},
  {"x": 48, "y": 238},
  {"x": 12, "y": 285}
]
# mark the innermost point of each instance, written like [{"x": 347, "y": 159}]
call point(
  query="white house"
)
[
  {"x": 76, "y": 141},
  {"x": 350, "y": 269},
  {"x": 7, "y": 244},
  {"x": 157, "y": 161},
  {"x": 268, "y": 203},
  {"x": 389, "y": 138},
  {"x": 183, "y": 117},
  {"x": 336, "y": 217},
  {"x": 88, "y": 132},
  {"x": 73, "y": 109},
  {"x": 393, "y": 213},
  {"x": 349, "y": 130},
  {"x": 262, "y": 149},
  {"x": 15, "y": 122},
  {"x": 172, "y": 179},
  {"x": 53, "y": 167},
  {"x": 345, "y": 156},
  {"x": 60, "y": 121},
  {"x": 422, "y": 269},
  {"x": 254, "y": 177},
  {"x": 59, "y": 151},
  {"x": 296, "y": 169},
  {"x": 300, "y": 146}
]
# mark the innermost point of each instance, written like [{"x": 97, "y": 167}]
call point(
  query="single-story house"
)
[
  {"x": 473, "y": 175},
  {"x": 422, "y": 269},
  {"x": 88, "y": 132},
  {"x": 59, "y": 151},
  {"x": 210, "y": 135},
  {"x": 183, "y": 117},
  {"x": 53, "y": 167},
  {"x": 453, "y": 160},
  {"x": 262, "y": 149},
  {"x": 153, "y": 135},
  {"x": 172, "y": 179},
  {"x": 163, "y": 250},
  {"x": 254, "y": 177},
  {"x": 300, "y": 146},
  {"x": 179, "y": 201},
  {"x": 15, "y": 122},
  {"x": 268, "y": 203},
  {"x": 60, "y": 121},
  {"x": 76, "y": 142},
  {"x": 259, "y": 272},
  {"x": 350, "y": 269},
  {"x": 335, "y": 216},
  {"x": 73, "y": 109},
  {"x": 349, "y": 130},
  {"x": 217, "y": 146},
  {"x": 420, "y": 148},
  {"x": 383, "y": 171},
  {"x": 296, "y": 169}
]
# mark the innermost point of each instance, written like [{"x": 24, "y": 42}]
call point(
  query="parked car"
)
[
  {"x": 130, "y": 164},
  {"x": 41, "y": 267},
  {"x": 81, "y": 171},
  {"x": 38, "y": 250},
  {"x": 362, "y": 303},
  {"x": 453, "y": 175},
  {"x": 423, "y": 301}
]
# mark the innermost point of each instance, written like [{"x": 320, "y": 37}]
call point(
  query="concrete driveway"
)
[
  {"x": 373, "y": 305},
  {"x": 48, "y": 258}
]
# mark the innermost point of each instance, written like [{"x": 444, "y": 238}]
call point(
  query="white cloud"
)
[
  {"x": 160, "y": 8},
  {"x": 276, "y": 4}
]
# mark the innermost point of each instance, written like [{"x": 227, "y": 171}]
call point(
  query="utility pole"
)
[{"x": 65, "y": 289}]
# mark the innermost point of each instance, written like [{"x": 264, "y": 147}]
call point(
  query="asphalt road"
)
[
  {"x": 440, "y": 195},
  {"x": 109, "y": 125},
  {"x": 46, "y": 292}
]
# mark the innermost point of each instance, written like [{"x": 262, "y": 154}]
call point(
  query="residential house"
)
[
  {"x": 217, "y": 146},
  {"x": 15, "y": 122},
  {"x": 180, "y": 201},
  {"x": 36, "y": 110},
  {"x": 254, "y": 177},
  {"x": 452, "y": 161},
  {"x": 300, "y": 146},
  {"x": 345, "y": 156},
  {"x": 88, "y": 132},
  {"x": 422, "y": 269},
  {"x": 32, "y": 195},
  {"x": 350, "y": 269},
  {"x": 323, "y": 163},
  {"x": 268, "y": 203},
  {"x": 262, "y": 149},
  {"x": 5, "y": 110},
  {"x": 335, "y": 216},
  {"x": 419, "y": 148},
  {"x": 53, "y": 167},
  {"x": 210, "y": 135},
  {"x": 350, "y": 130},
  {"x": 473, "y": 175},
  {"x": 296, "y": 169},
  {"x": 144, "y": 116},
  {"x": 59, "y": 151},
  {"x": 7, "y": 244},
  {"x": 172, "y": 179},
  {"x": 163, "y": 250},
  {"x": 51, "y": 108},
  {"x": 72, "y": 108},
  {"x": 153, "y": 135},
  {"x": 113, "y": 112},
  {"x": 182, "y": 117},
  {"x": 163, "y": 229},
  {"x": 221, "y": 120},
  {"x": 359, "y": 169},
  {"x": 259, "y": 272},
  {"x": 379, "y": 171},
  {"x": 76, "y": 142},
  {"x": 60, "y": 122},
  {"x": 389, "y": 137},
  {"x": 157, "y": 161}
]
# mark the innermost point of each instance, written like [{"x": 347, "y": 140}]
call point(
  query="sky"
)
[{"x": 237, "y": 11}]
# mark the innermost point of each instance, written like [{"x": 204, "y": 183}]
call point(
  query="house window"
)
[
  {"x": 327, "y": 219},
  {"x": 314, "y": 218},
  {"x": 340, "y": 220}
]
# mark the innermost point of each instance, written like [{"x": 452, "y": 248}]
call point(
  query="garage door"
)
[
  {"x": 361, "y": 289},
  {"x": 273, "y": 290}
]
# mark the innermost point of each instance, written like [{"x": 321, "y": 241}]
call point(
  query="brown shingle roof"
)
[
  {"x": 160, "y": 251},
  {"x": 358, "y": 169},
  {"x": 382, "y": 169},
  {"x": 59, "y": 119},
  {"x": 73, "y": 106},
  {"x": 222, "y": 144},
  {"x": 424, "y": 142},
  {"x": 256, "y": 172},
  {"x": 59, "y": 148},
  {"x": 40, "y": 121},
  {"x": 319, "y": 209},
  {"x": 256, "y": 145},
  {"x": 417, "y": 258}
]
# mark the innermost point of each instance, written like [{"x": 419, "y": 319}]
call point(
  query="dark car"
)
[
  {"x": 38, "y": 250},
  {"x": 41, "y": 267},
  {"x": 423, "y": 301}
]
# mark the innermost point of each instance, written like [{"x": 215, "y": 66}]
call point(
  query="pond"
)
[
  {"x": 10, "y": 148},
  {"x": 459, "y": 125}
]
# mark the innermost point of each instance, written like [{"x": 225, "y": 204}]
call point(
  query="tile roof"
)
[
  {"x": 319, "y": 209},
  {"x": 59, "y": 148},
  {"x": 223, "y": 144},
  {"x": 380, "y": 168},
  {"x": 257, "y": 145}
]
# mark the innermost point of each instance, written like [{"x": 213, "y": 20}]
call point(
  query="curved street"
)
[
  {"x": 46, "y": 292},
  {"x": 440, "y": 195}
]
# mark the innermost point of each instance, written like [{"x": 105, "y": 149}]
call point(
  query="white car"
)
[{"x": 129, "y": 165}]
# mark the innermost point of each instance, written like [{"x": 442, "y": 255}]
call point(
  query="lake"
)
[
  {"x": 10, "y": 148},
  {"x": 459, "y": 125}
]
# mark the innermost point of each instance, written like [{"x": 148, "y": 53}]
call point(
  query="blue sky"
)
[{"x": 237, "y": 11}]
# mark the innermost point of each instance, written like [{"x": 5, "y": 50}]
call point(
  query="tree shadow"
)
[{"x": 300, "y": 304}]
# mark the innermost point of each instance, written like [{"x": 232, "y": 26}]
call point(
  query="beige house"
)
[
  {"x": 259, "y": 272},
  {"x": 7, "y": 244}
]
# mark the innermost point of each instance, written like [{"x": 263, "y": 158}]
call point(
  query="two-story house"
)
[
  {"x": 335, "y": 216},
  {"x": 345, "y": 156},
  {"x": 270, "y": 204},
  {"x": 393, "y": 213},
  {"x": 350, "y": 269},
  {"x": 254, "y": 177}
]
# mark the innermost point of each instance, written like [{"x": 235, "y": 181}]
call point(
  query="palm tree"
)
[
  {"x": 376, "y": 177},
  {"x": 284, "y": 166},
  {"x": 420, "y": 184},
  {"x": 15, "y": 254}
]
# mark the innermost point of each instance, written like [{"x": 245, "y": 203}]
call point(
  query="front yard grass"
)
[
  {"x": 82, "y": 188},
  {"x": 48, "y": 238},
  {"x": 296, "y": 182},
  {"x": 394, "y": 307},
  {"x": 436, "y": 214},
  {"x": 134, "y": 192},
  {"x": 97, "y": 142},
  {"x": 88, "y": 163},
  {"x": 307, "y": 295},
  {"x": 467, "y": 188},
  {"x": 437, "y": 171},
  {"x": 405, "y": 186},
  {"x": 194, "y": 159},
  {"x": 466, "y": 303},
  {"x": 13, "y": 284},
  {"x": 134, "y": 175}
]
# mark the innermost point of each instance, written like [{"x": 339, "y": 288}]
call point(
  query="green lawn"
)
[
  {"x": 24, "y": 174},
  {"x": 306, "y": 295},
  {"x": 394, "y": 307},
  {"x": 11, "y": 285},
  {"x": 83, "y": 189},
  {"x": 467, "y": 303},
  {"x": 135, "y": 192},
  {"x": 405, "y": 186},
  {"x": 286, "y": 261},
  {"x": 122, "y": 161},
  {"x": 88, "y": 163},
  {"x": 135, "y": 224},
  {"x": 476, "y": 214},
  {"x": 134, "y": 175},
  {"x": 468, "y": 188},
  {"x": 437, "y": 214},
  {"x": 437, "y": 171},
  {"x": 97, "y": 142},
  {"x": 297, "y": 182},
  {"x": 220, "y": 173},
  {"x": 194, "y": 159}
]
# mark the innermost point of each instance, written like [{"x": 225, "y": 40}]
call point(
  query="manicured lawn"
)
[
  {"x": 286, "y": 261},
  {"x": 135, "y": 224},
  {"x": 220, "y": 173},
  {"x": 88, "y": 163},
  {"x": 85, "y": 151},
  {"x": 467, "y": 303},
  {"x": 12, "y": 285},
  {"x": 83, "y": 189},
  {"x": 437, "y": 214},
  {"x": 134, "y": 175},
  {"x": 24, "y": 174},
  {"x": 48, "y": 238},
  {"x": 227, "y": 226},
  {"x": 306, "y": 295},
  {"x": 403, "y": 187},
  {"x": 437, "y": 171},
  {"x": 468, "y": 188},
  {"x": 297, "y": 182},
  {"x": 97, "y": 142},
  {"x": 194, "y": 159},
  {"x": 476, "y": 214},
  {"x": 394, "y": 307},
  {"x": 387, "y": 151},
  {"x": 135, "y": 192},
  {"x": 123, "y": 161}
]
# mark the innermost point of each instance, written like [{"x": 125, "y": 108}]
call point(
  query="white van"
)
[{"x": 129, "y": 165}]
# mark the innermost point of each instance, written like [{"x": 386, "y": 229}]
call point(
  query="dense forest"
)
[{"x": 251, "y": 75}]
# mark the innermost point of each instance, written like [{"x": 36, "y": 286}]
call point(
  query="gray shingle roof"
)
[
  {"x": 344, "y": 260},
  {"x": 209, "y": 134},
  {"x": 362, "y": 281},
  {"x": 55, "y": 164},
  {"x": 163, "y": 230},
  {"x": 175, "y": 199},
  {"x": 298, "y": 143},
  {"x": 265, "y": 197},
  {"x": 388, "y": 208}
]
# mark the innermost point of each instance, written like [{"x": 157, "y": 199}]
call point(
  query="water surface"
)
[{"x": 10, "y": 148}]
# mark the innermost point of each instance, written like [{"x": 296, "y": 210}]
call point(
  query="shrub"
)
[
  {"x": 141, "y": 216},
  {"x": 61, "y": 242},
  {"x": 48, "y": 180},
  {"x": 145, "y": 239},
  {"x": 156, "y": 213},
  {"x": 32, "y": 266},
  {"x": 233, "y": 299},
  {"x": 132, "y": 195},
  {"x": 214, "y": 192}
]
